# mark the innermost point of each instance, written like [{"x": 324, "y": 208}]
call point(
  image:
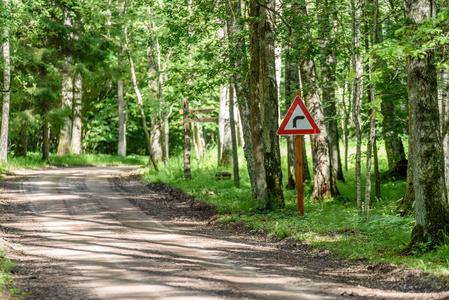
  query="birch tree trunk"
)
[
  {"x": 224, "y": 129},
  {"x": 320, "y": 147},
  {"x": 445, "y": 115},
  {"x": 121, "y": 111},
  {"x": 186, "y": 125},
  {"x": 269, "y": 108},
  {"x": 75, "y": 145},
  {"x": 45, "y": 138},
  {"x": 140, "y": 102},
  {"x": 255, "y": 105},
  {"x": 431, "y": 202},
  {"x": 65, "y": 135},
  {"x": 357, "y": 93},
  {"x": 328, "y": 63},
  {"x": 371, "y": 96},
  {"x": 4, "y": 136},
  {"x": 291, "y": 86},
  {"x": 235, "y": 158},
  {"x": 240, "y": 61}
]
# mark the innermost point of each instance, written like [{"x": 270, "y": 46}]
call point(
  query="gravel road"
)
[{"x": 90, "y": 233}]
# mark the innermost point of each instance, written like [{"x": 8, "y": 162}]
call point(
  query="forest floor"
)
[{"x": 101, "y": 233}]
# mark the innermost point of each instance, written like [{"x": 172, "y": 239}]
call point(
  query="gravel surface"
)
[{"x": 101, "y": 233}]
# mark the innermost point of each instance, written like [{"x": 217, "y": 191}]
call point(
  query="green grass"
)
[
  {"x": 333, "y": 223},
  {"x": 34, "y": 161},
  {"x": 6, "y": 281}
]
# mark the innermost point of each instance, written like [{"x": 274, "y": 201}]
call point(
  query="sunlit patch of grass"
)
[
  {"x": 34, "y": 161},
  {"x": 333, "y": 223},
  {"x": 6, "y": 280},
  {"x": 98, "y": 159}
]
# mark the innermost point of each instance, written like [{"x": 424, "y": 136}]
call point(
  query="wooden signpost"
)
[
  {"x": 186, "y": 112},
  {"x": 299, "y": 122}
]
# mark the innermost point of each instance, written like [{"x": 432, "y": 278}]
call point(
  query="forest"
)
[{"x": 172, "y": 79}]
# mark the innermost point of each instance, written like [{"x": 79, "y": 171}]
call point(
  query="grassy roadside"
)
[{"x": 332, "y": 224}]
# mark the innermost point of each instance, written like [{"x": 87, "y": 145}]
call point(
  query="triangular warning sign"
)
[{"x": 298, "y": 120}]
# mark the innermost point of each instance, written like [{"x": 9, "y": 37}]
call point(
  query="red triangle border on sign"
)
[{"x": 283, "y": 131}]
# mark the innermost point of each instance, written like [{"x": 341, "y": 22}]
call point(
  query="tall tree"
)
[
  {"x": 357, "y": 7},
  {"x": 121, "y": 109},
  {"x": 139, "y": 101},
  {"x": 328, "y": 62},
  {"x": 4, "y": 134},
  {"x": 65, "y": 135},
  {"x": 311, "y": 95},
  {"x": 264, "y": 105},
  {"x": 431, "y": 202},
  {"x": 239, "y": 60},
  {"x": 77, "y": 121}
]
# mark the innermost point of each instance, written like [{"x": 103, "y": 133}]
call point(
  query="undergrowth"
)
[{"x": 332, "y": 223}]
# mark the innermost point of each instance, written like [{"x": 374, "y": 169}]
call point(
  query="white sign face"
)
[{"x": 298, "y": 120}]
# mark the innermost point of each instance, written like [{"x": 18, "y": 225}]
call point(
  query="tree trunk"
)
[
  {"x": 242, "y": 92},
  {"x": 328, "y": 63},
  {"x": 445, "y": 114},
  {"x": 269, "y": 107},
  {"x": 235, "y": 158},
  {"x": 75, "y": 145},
  {"x": 357, "y": 94},
  {"x": 320, "y": 147},
  {"x": 370, "y": 69},
  {"x": 224, "y": 129},
  {"x": 4, "y": 136},
  {"x": 65, "y": 135},
  {"x": 407, "y": 203},
  {"x": 45, "y": 138},
  {"x": 255, "y": 105},
  {"x": 187, "y": 171},
  {"x": 121, "y": 111},
  {"x": 347, "y": 113},
  {"x": 156, "y": 139},
  {"x": 291, "y": 86},
  {"x": 140, "y": 102},
  {"x": 431, "y": 203},
  {"x": 376, "y": 170},
  {"x": 397, "y": 163}
]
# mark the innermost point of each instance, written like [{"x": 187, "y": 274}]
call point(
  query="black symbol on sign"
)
[{"x": 296, "y": 119}]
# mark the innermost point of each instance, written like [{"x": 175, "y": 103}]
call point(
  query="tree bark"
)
[
  {"x": 357, "y": 94},
  {"x": 65, "y": 135},
  {"x": 224, "y": 129},
  {"x": 370, "y": 69},
  {"x": 397, "y": 163},
  {"x": 140, "y": 103},
  {"x": 4, "y": 135},
  {"x": 121, "y": 111},
  {"x": 291, "y": 86},
  {"x": 75, "y": 145},
  {"x": 241, "y": 86},
  {"x": 235, "y": 158},
  {"x": 255, "y": 105},
  {"x": 45, "y": 138},
  {"x": 187, "y": 171},
  {"x": 320, "y": 147},
  {"x": 328, "y": 63},
  {"x": 269, "y": 107},
  {"x": 431, "y": 202}
]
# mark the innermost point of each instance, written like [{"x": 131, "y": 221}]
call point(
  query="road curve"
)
[{"x": 116, "y": 251}]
